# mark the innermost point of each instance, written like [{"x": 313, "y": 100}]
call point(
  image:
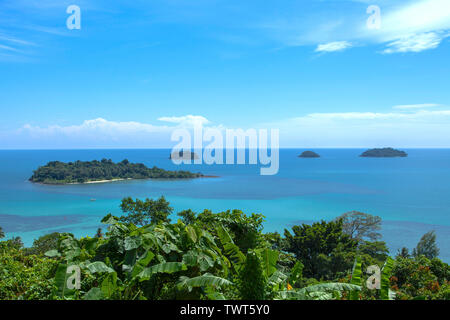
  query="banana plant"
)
[{"x": 386, "y": 293}]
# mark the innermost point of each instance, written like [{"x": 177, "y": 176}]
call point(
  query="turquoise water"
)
[{"x": 410, "y": 194}]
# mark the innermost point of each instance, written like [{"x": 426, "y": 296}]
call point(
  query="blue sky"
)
[{"x": 138, "y": 69}]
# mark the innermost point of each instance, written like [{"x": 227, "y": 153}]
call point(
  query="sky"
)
[{"x": 326, "y": 73}]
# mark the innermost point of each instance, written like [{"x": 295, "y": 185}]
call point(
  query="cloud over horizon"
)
[
  {"x": 411, "y": 126},
  {"x": 100, "y": 133}
]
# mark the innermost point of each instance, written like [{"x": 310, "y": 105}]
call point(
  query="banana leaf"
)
[{"x": 385, "y": 283}]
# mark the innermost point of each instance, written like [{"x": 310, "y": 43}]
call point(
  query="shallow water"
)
[{"x": 410, "y": 194}]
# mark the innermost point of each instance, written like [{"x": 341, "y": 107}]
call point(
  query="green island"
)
[
  {"x": 143, "y": 255},
  {"x": 384, "y": 153},
  {"x": 56, "y": 172},
  {"x": 309, "y": 154}
]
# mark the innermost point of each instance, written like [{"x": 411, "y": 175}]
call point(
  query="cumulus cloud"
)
[
  {"x": 406, "y": 126},
  {"x": 333, "y": 46},
  {"x": 100, "y": 133}
]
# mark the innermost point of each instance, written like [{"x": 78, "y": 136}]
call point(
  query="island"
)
[
  {"x": 309, "y": 154},
  {"x": 384, "y": 153},
  {"x": 183, "y": 155},
  {"x": 56, "y": 172}
]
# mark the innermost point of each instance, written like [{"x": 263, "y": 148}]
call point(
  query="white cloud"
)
[
  {"x": 418, "y": 17},
  {"x": 16, "y": 40},
  {"x": 418, "y": 128},
  {"x": 94, "y": 126},
  {"x": 416, "y": 106},
  {"x": 8, "y": 48},
  {"x": 413, "y": 27},
  {"x": 333, "y": 46},
  {"x": 415, "y": 128},
  {"x": 341, "y": 117},
  {"x": 189, "y": 120},
  {"x": 406, "y": 26},
  {"x": 100, "y": 133},
  {"x": 415, "y": 43}
]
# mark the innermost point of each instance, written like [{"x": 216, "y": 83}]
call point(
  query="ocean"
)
[{"x": 410, "y": 194}]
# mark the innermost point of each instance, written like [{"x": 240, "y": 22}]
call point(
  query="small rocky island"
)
[
  {"x": 183, "y": 155},
  {"x": 384, "y": 153},
  {"x": 56, "y": 172},
  {"x": 309, "y": 154}
]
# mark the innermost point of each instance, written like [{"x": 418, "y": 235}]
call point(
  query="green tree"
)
[
  {"x": 14, "y": 243},
  {"x": 359, "y": 225},
  {"x": 321, "y": 247},
  {"x": 376, "y": 250},
  {"x": 245, "y": 230},
  {"x": 2, "y": 234},
  {"x": 403, "y": 252},
  {"x": 427, "y": 246},
  {"x": 420, "y": 278},
  {"x": 45, "y": 243},
  {"x": 24, "y": 277},
  {"x": 252, "y": 282},
  {"x": 187, "y": 216},
  {"x": 99, "y": 233},
  {"x": 145, "y": 212}
]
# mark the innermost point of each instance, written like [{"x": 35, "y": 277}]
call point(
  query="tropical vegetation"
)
[{"x": 226, "y": 255}]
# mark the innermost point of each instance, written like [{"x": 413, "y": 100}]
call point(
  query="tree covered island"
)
[
  {"x": 56, "y": 172},
  {"x": 309, "y": 154},
  {"x": 383, "y": 153}
]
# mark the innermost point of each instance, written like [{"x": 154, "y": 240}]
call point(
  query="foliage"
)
[
  {"x": 356, "y": 278},
  {"x": 322, "y": 247},
  {"x": 403, "y": 252},
  {"x": 14, "y": 243},
  {"x": 145, "y": 212},
  {"x": 252, "y": 283},
  {"x": 359, "y": 225},
  {"x": 56, "y": 172},
  {"x": 187, "y": 216},
  {"x": 420, "y": 278},
  {"x": 24, "y": 276},
  {"x": 210, "y": 255},
  {"x": 99, "y": 233},
  {"x": 427, "y": 246},
  {"x": 44, "y": 243},
  {"x": 383, "y": 153},
  {"x": 385, "y": 279},
  {"x": 246, "y": 231}
]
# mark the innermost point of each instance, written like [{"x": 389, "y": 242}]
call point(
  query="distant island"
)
[
  {"x": 309, "y": 154},
  {"x": 384, "y": 153},
  {"x": 56, "y": 172},
  {"x": 183, "y": 155}
]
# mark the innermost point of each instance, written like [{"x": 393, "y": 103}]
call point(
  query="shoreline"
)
[{"x": 119, "y": 179}]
